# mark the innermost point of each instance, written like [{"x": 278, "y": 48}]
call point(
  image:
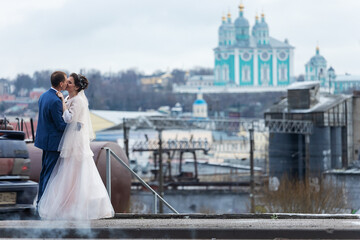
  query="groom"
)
[{"x": 50, "y": 127}]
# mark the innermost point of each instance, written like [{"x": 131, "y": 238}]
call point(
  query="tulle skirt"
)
[{"x": 75, "y": 190}]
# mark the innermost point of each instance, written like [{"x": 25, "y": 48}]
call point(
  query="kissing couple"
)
[{"x": 70, "y": 186}]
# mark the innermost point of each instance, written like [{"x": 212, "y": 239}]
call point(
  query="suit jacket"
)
[{"x": 51, "y": 125}]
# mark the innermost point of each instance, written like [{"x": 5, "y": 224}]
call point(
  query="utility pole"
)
[
  {"x": 252, "y": 183},
  {"x": 307, "y": 158},
  {"x": 126, "y": 138},
  {"x": 161, "y": 177}
]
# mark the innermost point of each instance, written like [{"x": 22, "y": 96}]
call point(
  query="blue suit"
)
[{"x": 49, "y": 131}]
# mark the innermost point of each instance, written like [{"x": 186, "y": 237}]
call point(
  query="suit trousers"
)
[{"x": 49, "y": 159}]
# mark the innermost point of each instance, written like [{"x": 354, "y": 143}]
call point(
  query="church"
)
[
  {"x": 251, "y": 59},
  {"x": 316, "y": 70}
]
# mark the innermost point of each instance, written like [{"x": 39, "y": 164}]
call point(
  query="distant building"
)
[
  {"x": 246, "y": 60},
  {"x": 345, "y": 83},
  {"x": 5, "y": 91},
  {"x": 316, "y": 70},
  {"x": 177, "y": 110},
  {"x": 5, "y": 87},
  {"x": 251, "y": 59},
  {"x": 200, "y": 107},
  {"x": 200, "y": 80},
  {"x": 160, "y": 80},
  {"x": 229, "y": 148},
  {"x": 7, "y": 97},
  {"x": 36, "y": 93},
  {"x": 104, "y": 119}
]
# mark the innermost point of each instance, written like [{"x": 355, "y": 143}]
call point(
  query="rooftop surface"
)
[{"x": 247, "y": 226}]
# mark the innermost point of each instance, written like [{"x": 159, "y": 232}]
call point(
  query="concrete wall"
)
[
  {"x": 283, "y": 154},
  {"x": 320, "y": 151},
  {"x": 336, "y": 149},
  {"x": 356, "y": 127},
  {"x": 287, "y": 152},
  {"x": 193, "y": 201},
  {"x": 350, "y": 184}
]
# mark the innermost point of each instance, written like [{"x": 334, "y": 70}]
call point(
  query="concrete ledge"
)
[
  {"x": 236, "y": 216},
  {"x": 191, "y": 226},
  {"x": 185, "y": 234}
]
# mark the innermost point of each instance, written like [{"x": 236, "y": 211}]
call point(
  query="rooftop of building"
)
[
  {"x": 200, "y": 102},
  {"x": 220, "y": 135},
  {"x": 273, "y": 43},
  {"x": 347, "y": 77},
  {"x": 201, "y": 78},
  {"x": 321, "y": 101},
  {"x": 117, "y": 117}
]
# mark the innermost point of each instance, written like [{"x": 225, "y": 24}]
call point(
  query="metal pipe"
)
[
  {"x": 18, "y": 123},
  {"x": 108, "y": 171},
  {"x": 155, "y": 204},
  {"x": 252, "y": 183},
  {"x": 126, "y": 138},
  {"x": 32, "y": 129},
  {"x": 307, "y": 159},
  {"x": 161, "y": 177},
  {"x": 140, "y": 179}
]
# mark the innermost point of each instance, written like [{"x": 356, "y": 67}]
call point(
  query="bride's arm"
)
[{"x": 72, "y": 112}]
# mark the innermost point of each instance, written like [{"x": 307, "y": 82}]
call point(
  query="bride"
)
[{"x": 75, "y": 190}]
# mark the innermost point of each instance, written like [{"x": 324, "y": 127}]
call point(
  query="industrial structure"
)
[{"x": 331, "y": 144}]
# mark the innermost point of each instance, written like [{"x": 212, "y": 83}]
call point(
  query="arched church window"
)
[
  {"x": 218, "y": 73},
  {"x": 225, "y": 71},
  {"x": 265, "y": 74},
  {"x": 321, "y": 73},
  {"x": 282, "y": 72},
  {"x": 246, "y": 73}
]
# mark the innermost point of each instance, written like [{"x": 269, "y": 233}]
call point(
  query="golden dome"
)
[
  {"x": 223, "y": 18},
  {"x": 241, "y": 7},
  {"x": 263, "y": 15},
  {"x": 229, "y": 15}
]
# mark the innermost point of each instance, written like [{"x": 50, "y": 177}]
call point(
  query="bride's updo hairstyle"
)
[{"x": 80, "y": 81}]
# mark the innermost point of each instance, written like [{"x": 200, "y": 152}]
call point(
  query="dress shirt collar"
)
[{"x": 54, "y": 89}]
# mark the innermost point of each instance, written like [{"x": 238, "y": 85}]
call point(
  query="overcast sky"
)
[{"x": 113, "y": 35}]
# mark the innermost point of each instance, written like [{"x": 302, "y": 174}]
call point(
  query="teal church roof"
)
[
  {"x": 244, "y": 40},
  {"x": 241, "y": 22},
  {"x": 226, "y": 26},
  {"x": 317, "y": 60},
  {"x": 263, "y": 24},
  {"x": 200, "y": 102},
  {"x": 273, "y": 43}
]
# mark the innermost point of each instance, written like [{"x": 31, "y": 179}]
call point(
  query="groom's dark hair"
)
[{"x": 57, "y": 77}]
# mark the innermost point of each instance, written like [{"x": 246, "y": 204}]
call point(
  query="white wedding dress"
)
[{"x": 75, "y": 190}]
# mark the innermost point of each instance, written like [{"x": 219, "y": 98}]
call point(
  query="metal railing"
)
[{"x": 110, "y": 153}]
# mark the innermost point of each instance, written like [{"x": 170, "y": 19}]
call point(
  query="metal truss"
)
[
  {"x": 289, "y": 126},
  {"x": 164, "y": 123},
  {"x": 172, "y": 145},
  {"x": 230, "y": 125}
]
